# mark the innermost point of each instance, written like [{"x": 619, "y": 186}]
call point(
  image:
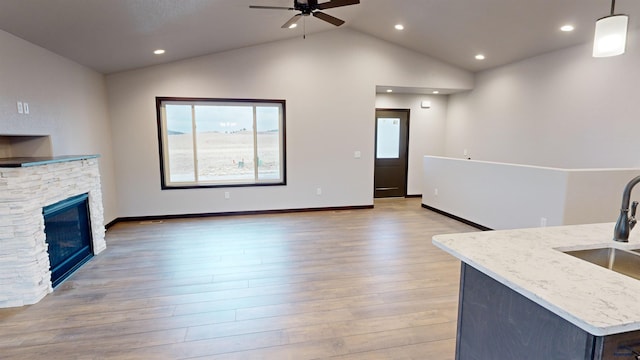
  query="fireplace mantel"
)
[
  {"x": 27, "y": 185},
  {"x": 41, "y": 160}
]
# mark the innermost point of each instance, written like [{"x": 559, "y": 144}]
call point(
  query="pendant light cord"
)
[{"x": 613, "y": 6}]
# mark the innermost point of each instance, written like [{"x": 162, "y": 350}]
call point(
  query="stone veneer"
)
[{"x": 25, "y": 277}]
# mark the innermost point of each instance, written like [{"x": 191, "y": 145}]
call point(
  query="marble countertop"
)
[
  {"x": 531, "y": 262},
  {"x": 41, "y": 160}
]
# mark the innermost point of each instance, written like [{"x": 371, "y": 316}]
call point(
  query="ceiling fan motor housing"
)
[
  {"x": 311, "y": 7},
  {"x": 305, "y": 6}
]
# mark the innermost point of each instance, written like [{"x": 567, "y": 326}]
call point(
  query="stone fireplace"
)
[{"x": 27, "y": 186}]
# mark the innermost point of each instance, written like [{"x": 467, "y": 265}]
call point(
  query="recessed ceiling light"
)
[
  {"x": 567, "y": 28},
  {"x": 436, "y": 92},
  {"x": 479, "y": 57},
  {"x": 399, "y": 27},
  {"x": 159, "y": 52},
  {"x": 293, "y": 26},
  {"x": 389, "y": 90}
]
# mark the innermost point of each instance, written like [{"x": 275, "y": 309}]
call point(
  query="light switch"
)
[
  {"x": 25, "y": 106},
  {"x": 20, "y": 109},
  {"x": 357, "y": 155}
]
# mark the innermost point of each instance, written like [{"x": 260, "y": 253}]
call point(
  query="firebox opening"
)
[{"x": 68, "y": 235}]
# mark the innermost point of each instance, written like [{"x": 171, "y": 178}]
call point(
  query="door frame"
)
[{"x": 375, "y": 147}]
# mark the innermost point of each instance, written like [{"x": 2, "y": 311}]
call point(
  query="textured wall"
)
[
  {"x": 563, "y": 109},
  {"x": 328, "y": 81},
  {"x": 67, "y": 102}
]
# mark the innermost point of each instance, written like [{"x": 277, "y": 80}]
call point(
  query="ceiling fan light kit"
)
[
  {"x": 311, "y": 7},
  {"x": 611, "y": 34}
]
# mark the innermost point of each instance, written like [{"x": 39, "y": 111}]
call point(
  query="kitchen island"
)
[{"x": 523, "y": 297}]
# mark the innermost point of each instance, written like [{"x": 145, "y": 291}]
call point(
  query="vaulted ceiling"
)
[{"x": 116, "y": 35}]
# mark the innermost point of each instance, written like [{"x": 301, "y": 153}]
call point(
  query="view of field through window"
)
[{"x": 226, "y": 148}]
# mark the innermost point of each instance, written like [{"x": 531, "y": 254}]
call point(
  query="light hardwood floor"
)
[{"x": 358, "y": 284}]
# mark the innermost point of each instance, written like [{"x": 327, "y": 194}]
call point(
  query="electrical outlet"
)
[
  {"x": 227, "y": 195},
  {"x": 319, "y": 191},
  {"x": 25, "y": 107},
  {"x": 357, "y": 154},
  {"x": 543, "y": 222},
  {"x": 435, "y": 191},
  {"x": 466, "y": 152}
]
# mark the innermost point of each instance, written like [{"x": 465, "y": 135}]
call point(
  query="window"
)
[
  {"x": 221, "y": 142},
  {"x": 388, "y": 138}
]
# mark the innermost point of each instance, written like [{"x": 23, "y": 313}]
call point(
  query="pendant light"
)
[{"x": 611, "y": 34}]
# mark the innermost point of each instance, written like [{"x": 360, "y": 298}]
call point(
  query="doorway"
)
[{"x": 392, "y": 153}]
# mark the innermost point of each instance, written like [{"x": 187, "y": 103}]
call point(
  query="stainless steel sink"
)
[{"x": 620, "y": 261}]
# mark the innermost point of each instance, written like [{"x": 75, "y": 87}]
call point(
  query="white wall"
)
[
  {"x": 329, "y": 83},
  {"x": 596, "y": 196},
  {"x": 509, "y": 196},
  {"x": 494, "y": 195},
  {"x": 426, "y": 130},
  {"x": 67, "y": 101},
  {"x": 562, "y": 109}
]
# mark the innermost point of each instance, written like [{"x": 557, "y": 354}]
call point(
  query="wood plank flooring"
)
[{"x": 353, "y": 284}]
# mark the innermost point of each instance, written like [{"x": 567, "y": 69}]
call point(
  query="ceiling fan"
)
[{"x": 311, "y": 7}]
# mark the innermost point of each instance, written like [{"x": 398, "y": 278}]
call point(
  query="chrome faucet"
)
[{"x": 626, "y": 223}]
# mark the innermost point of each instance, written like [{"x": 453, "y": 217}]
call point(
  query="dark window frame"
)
[{"x": 190, "y": 100}]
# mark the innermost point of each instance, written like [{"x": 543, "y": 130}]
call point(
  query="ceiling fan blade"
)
[
  {"x": 337, "y": 3},
  {"x": 292, "y": 21},
  {"x": 328, "y": 18},
  {"x": 270, "y": 7}
]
